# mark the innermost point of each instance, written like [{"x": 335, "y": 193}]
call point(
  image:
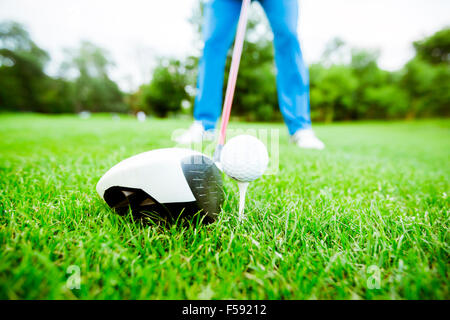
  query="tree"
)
[
  {"x": 426, "y": 77},
  {"x": 428, "y": 88},
  {"x": 436, "y": 48},
  {"x": 23, "y": 84},
  {"x": 166, "y": 91},
  {"x": 367, "y": 96},
  {"x": 21, "y": 69},
  {"x": 95, "y": 91},
  {"x": 331, "y": 92}
]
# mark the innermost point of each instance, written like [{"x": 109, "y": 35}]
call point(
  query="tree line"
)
[{"x": 346, "y": 84}]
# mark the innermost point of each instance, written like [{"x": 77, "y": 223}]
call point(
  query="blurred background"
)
[{"x": 368, "y": 59}]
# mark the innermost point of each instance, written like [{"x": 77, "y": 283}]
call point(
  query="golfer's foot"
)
[
  {"x": 196, "y": 133},
  {"x": 305, "y": 138}
]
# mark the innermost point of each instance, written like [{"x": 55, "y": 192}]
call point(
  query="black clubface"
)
[{"x": 205, "y": 181}]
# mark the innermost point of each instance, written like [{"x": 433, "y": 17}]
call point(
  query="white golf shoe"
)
[
  {"x": 195, "y": 134},
  {"x": 305, "y": 138}
]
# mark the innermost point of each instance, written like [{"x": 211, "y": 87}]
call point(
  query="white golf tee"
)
[{"x": 242, "y": 192}]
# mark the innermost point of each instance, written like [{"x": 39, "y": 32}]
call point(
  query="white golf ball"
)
[{"x": 244, "y": 158}]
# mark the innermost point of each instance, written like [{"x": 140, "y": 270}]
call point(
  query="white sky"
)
[{"x": 136, "y": 31}]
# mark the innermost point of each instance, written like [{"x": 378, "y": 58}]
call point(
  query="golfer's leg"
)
[
  {"x": 292, "y": 76},
  {"x": 219, "y": 29}
]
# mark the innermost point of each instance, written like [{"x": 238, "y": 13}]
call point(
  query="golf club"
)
[
  {"x": 231, "y": 85},
  {"x": 168, "y": 182}
]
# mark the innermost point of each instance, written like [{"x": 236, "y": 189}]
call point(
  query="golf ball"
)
[{"x": 244, "y": 158}]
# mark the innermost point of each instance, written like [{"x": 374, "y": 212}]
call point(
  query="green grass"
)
[{"x": 377, "y": 196}]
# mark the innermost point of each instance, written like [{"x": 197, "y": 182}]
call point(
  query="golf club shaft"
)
[{"x": 235, "y": 60}]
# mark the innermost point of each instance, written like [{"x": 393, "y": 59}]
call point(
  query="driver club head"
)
[{"x": 166, "y": 182}]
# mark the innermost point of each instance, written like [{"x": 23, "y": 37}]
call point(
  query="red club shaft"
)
[{"x": 236, "y": 59}]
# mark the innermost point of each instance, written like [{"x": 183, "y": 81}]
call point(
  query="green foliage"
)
[
  {"x": 436, "y": 48},
  {"x": 167, "y": 89},
  {"x": 21, "y": 69},
  {"x": 428, "y": 86},
  {"x": 331, "y": 92},
  {"x": 389, "y": 101},
  {"x": 95, "y": 91},
  {"x": 370, "y": 79},
  {"x": 359, "y": 89},
  {"x": 24, "y": 86},
  {"x": 346, "y": 84},
  {"x": 57, "y": 96}
]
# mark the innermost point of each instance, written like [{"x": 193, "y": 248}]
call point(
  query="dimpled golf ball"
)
[{"x": 244, "y": 158}]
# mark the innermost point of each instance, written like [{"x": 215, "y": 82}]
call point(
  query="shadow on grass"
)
[{"x": 164, "y": 223}]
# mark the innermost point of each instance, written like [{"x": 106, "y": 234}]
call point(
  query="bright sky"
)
[{"x": 136, "y": 31}]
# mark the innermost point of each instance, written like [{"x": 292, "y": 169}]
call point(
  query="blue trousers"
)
[{"x": 220, "y": 22}]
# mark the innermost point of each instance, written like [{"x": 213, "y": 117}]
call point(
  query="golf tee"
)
[{"x": 242, "y": 192}]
